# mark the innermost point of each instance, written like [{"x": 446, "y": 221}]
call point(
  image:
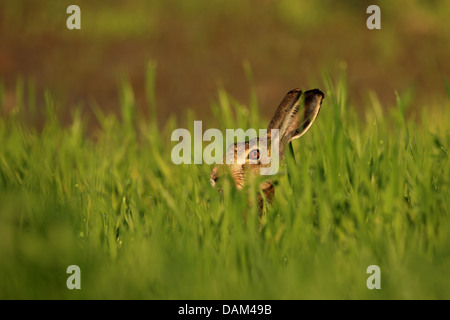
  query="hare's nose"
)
[{"x": 214, "y": 176}]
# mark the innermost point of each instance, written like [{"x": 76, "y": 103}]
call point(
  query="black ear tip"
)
[
  {"x": 314, "y": 96},
  {"x": 294, "y": 93},
  {"x": 315, "y": 92}
]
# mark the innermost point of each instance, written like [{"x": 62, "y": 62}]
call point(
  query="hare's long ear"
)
[
  {"x": 285, "y": 118},
  {"x": 312, "y": 101}
]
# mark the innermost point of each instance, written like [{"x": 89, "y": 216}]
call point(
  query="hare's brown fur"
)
[{"x": 286, "y": 119}]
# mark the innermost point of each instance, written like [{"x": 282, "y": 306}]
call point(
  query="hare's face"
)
[{"x": 244, "y": 160}]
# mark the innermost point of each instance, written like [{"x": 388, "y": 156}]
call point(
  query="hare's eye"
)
[{"x": 254, "y": 154}]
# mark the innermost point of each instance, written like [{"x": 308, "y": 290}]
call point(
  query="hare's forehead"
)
[{"x": 247, "y": 145}]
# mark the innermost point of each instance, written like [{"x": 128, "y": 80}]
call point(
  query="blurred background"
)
[{"x": 201, "y": 46}]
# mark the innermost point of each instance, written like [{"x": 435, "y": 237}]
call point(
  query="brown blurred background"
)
[{"x": 200, "y": 46}]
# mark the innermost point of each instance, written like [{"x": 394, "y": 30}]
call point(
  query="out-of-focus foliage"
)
[{"x": 201, "y": 46}]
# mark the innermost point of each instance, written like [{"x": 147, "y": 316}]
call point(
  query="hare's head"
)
[{"x": 254, "y": 157}]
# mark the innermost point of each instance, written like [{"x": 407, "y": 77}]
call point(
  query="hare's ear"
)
[
  {"x": 312, "y": 101},
  {"x": 285, "y": 118}
]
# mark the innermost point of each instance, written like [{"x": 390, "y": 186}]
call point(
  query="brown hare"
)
[{"x": 256, "y": 151}]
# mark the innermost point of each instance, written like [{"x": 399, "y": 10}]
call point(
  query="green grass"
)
[{"x": 358, "y": 192}]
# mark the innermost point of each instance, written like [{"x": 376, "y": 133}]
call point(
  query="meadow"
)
[{"x": 355, "y": 191}]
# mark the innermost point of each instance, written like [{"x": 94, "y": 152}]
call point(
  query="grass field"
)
[{"x": 357, "y": 192}]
